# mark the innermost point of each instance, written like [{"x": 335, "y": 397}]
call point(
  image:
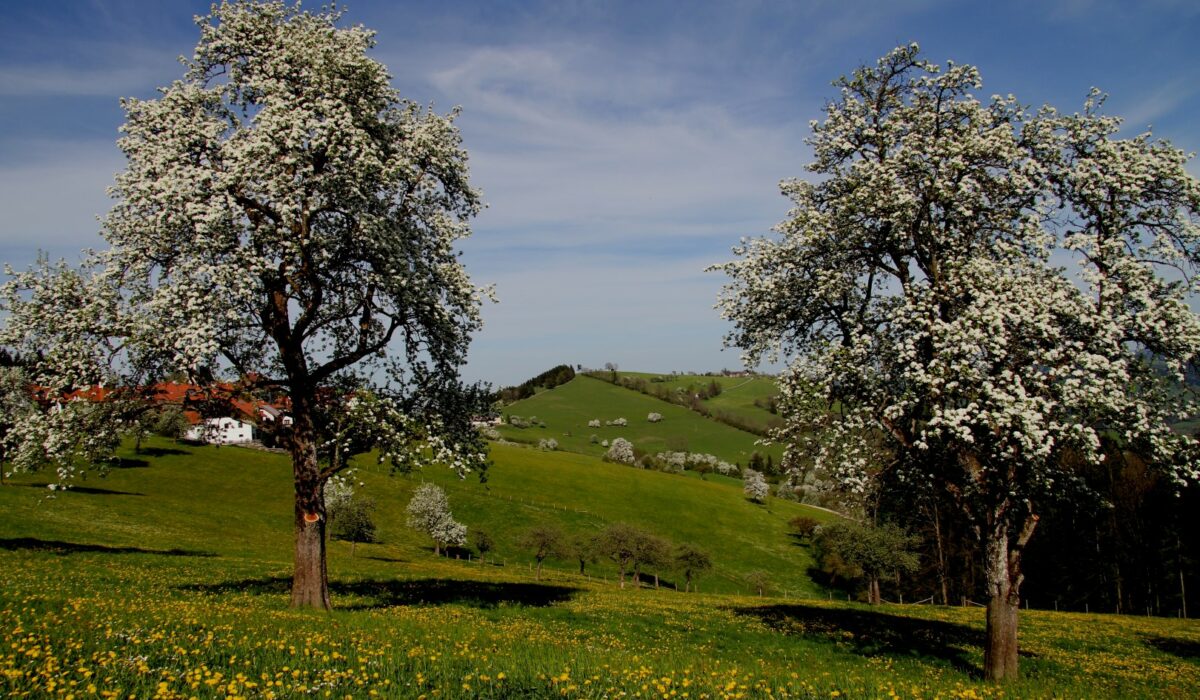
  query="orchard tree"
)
[
  {"x": 429, "y": 512},
  {"x": 755, "y": 486},
  {"x": 286, "y": 218},
  {"x": 544, "y": 542},
  {"x": 692, "y": 562},
  {"x": 922, "y": 285}
]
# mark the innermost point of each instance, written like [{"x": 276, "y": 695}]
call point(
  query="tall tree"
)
[
  {"x": 918, "y": 286},
  {"x": 286, "y": 217}
]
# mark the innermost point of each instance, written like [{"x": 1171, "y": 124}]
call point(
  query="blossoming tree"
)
[
  {"x": 922, "y": 286},
  {"x": 284, "y": 216}
]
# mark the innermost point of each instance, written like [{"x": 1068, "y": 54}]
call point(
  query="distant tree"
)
[
  {"x": 621, "y": 452},
  {"x": 354, "y": 521},
  {"x": 619, "y": 543},
  {"x": 759, "y": 580},
  {"x": 548, "y": 444},
  {"x": 429, "y": 512},
  {"x": 544, "y": 542},
  {"x": 755, "y": 486},
  {"x": 583, "y": 549},
  {"x": 872, "y": 552},
  {"x": 483, "y": 542},
  {"x": 692, "y": 562},
  {"x": 803, "y": 526},
  {"x": 594, "y": 423},
  {"x": 654, "y": 417},
  {"x": 651, "y": 552},
  {"x": 170, "y": 422}
]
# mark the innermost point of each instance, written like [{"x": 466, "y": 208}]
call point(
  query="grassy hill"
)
[
  {"x": 737, "y": 397},
  {"x": 169, "y": 577},
  {"x": 567, "y": 409}
]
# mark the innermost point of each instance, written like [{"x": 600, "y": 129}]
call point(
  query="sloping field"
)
[
  {"x": 168, "y": 579},
  {"x": 567, "y": 409},
  {"x": 736, "y": 399}
]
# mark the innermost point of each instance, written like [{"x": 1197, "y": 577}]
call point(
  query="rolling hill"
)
[{"x": 567, "y": 409}]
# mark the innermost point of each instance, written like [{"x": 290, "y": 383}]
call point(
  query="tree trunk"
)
[
  {"x": 538, "y": 575},
  {"x": 622, "y": 570},
  {"x": 941, "y": 555},
  {"x": 1002, "y": 569},
  {"x": 687, "y": 586},
  {"x": 656, "y": 580},
  {"x": 310, "y": 582},
  {"x": 873, "y": 596}
]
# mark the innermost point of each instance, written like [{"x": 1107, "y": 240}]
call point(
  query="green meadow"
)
[
  {"x": 168, "y": 579},
  {"x": 567, "y": 409},
  {"x": 737, "y": 397}
]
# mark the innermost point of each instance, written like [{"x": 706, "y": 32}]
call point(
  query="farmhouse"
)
[{"x": 220, "y": 431}]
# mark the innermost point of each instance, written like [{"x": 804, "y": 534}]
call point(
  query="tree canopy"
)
[
  {"x": 971, "y": 292},
  {"x": 284, "y": 217}
]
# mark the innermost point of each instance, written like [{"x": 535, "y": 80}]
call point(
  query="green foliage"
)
[
  {"x": 546, "y": 380},
  {"x": 803, "y": 526},
  {"x": 353, "y": 520},
  {"x": 853, "y": 550}
]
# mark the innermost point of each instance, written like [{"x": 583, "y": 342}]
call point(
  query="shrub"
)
[
  {"x": 619, "y": 422},
  {"x": 654, "y": 417},
  {"x": 594, "y": 423},
  {"x": 548, "y": 444},
  {"x": 621, "y": 452},
  {"x": 755, "y": 486}
]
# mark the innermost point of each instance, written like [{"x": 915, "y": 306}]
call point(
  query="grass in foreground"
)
[{"x": 169, "y": 580}]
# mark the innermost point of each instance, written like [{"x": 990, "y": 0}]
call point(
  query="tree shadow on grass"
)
[
  {"x": 391, "y": 593},
  {"x": 162, "y": 451},
  {"x": 14, "y": 544},
  {"x": 91, "y": 490},
  {"x": 1183, "y": 648},
  {"x": 872, "y": 633}
]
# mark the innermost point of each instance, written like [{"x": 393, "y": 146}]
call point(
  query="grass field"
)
[
  {"x": 169, "y": 579},
  {"x": 567, "y": 409},
  {"x": 736, "y": 399}
]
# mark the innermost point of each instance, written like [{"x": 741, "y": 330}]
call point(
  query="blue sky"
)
[{"x": 621, "y": 147}]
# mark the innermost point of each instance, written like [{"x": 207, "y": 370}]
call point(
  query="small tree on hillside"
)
[
  {"x": 354, "y": 521},
  {"x": 621, "y": 452},
  {"x": 759, "y": 580},
  {"x": 619, "y": 542},
  {"x": 429, "y": 512},
  {"x": 583, "y": 549},
  {"x": 653, "y": 553},
  {"x": 755, "y": 486},
  {"x": 693, "y": 563},
  {"x": 483, "y": 542},
  {"x": 544, "y": 542},
  {"x": 855, "y": 550}
]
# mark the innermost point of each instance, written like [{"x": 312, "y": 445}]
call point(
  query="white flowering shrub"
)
[
  {"x": 654, "y": 417},
  {"x": 621, "y": 452},
  {"x": 549, "y": 444},
  {"x": 918, "y": 282},
  {"x": 490, "y": 433},
  {"x": 594, "y": 423},
  {"x": 617, "y": 422},
  {"x": 429, "y": 512},
  {"x": 604, "y": 443},
  {"x": 755, "y": 486}
]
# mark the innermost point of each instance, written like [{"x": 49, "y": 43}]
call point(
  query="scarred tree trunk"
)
[
  {"x": 310, "y": 581},
  {"x": 1002, "y": 570}
]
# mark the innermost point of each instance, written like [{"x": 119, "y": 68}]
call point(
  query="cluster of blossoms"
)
[
  {"x": 429, "y": 512},
  {"x": 621, "y": 451},
  {"x": 695, "y": 461},
  {"x": 755, "y": 486},
  {"x": 594, "y": 423},
  {"x": 617, "y": 422},
  {"x": 654, "y": 417},
  {"x": 549, "y": 444}
]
